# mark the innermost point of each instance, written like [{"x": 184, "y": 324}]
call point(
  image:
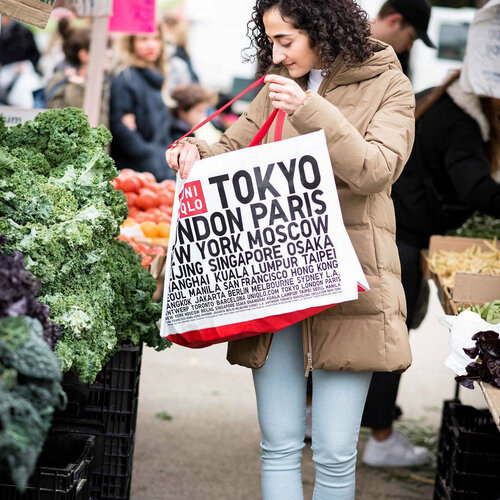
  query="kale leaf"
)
[{"x": 30, "y": 390}]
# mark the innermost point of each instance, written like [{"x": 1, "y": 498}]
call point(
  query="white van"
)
[{"x": 448, "y": 30}]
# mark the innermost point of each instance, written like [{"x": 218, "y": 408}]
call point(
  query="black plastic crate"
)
[
  {"x": 109, "y": 405},
  {"x": 62, "y": 473},
  {"x": 468, "y": 466},
  {"x": 444, "y": 492},
  {"x": 440, "y": 489},
  {"x": 474, "y": 430},
  {"x": 112, "y": 468}
]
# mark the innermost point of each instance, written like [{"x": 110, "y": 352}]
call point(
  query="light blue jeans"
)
[{"x": 338, "y": 401}]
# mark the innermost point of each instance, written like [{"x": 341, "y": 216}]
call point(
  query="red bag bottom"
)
[{"x": 209, "y": 336}]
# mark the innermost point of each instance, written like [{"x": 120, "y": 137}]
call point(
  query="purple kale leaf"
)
[
  {"x": 18, "y": 290},
  {"x": 486, "y": 364}
]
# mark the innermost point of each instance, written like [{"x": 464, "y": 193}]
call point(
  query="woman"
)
[
  {"x": 325, "y": 73},
  {"x": 67, "y": 87},
  {"x": 139, "y": 118}
]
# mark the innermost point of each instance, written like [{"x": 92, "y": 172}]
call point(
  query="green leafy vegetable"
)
[
  {"x": 490, "y": 311},
  {"x": 479, "y": 226},
  {"x": 59, "y": 208},
  {"x": 30, "y": 389}
]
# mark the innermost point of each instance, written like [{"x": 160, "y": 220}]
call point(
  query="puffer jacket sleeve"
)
[
  {"x": 369, "y": 163},
  {"x": 240, "y": 134}
]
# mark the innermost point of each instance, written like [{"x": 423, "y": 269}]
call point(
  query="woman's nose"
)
[{"x": 278, "y": 55}]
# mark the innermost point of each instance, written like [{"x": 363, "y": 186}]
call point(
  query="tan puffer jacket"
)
[{"x": 367, "y": 113}]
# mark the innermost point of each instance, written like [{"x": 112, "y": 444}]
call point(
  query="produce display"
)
[
  {"x": 473, "y": 260},
  {"x": 490, "y": 311},
  {"x": 59, "y": 208},
  {"x": 147, "y": 227},
  {"x": 479, "y": 226},
  {"x": 486, "y": 364},
  {"x": 30, "y": 374}
]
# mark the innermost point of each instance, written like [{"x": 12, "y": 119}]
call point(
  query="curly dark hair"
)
[{"x": 333, "y": 26}]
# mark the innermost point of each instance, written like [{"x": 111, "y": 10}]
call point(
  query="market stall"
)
[{"x": 467, "y": 275}]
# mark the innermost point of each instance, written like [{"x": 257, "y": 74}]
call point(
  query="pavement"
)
[{"x": 197, "y": 434}]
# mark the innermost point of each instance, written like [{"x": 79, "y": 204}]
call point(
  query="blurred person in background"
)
[
  {"x": 139, "y": 118},
  {"x": 189, "y": 107},
  {"x": 451, "y": 173},
  {"x": 67, "y": 87},
  {"x": 17, "y": 43},
  {"x": 19, "y": 56},
  {"x": 398, "y": 23},
  {"x": 176, "y": 33}
]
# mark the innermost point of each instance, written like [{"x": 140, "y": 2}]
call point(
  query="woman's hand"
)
[
  {"x": 181, "y": 158},
  {"x": 285, "y": 93}
]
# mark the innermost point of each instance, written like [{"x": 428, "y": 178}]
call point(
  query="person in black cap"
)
[{"x": 400, "y": 23}]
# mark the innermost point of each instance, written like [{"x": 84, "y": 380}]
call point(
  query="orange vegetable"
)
[
  {"x": 163, "y": 229},
  {"x": 128, "y": 222},
  {"x": 150, "y": 229}
]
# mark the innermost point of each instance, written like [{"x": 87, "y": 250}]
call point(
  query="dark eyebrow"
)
[{"x": 282, "y": 35}]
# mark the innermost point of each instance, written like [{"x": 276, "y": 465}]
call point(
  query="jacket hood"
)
[
  {"x": 470, "y": 104},
  {"x": 383, "y": 59}
]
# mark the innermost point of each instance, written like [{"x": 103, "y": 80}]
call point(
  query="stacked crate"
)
[
  {"x": 107, "y": 409},
  {"x": 62, "y": 472},
  {"x": 468, "y": 455}
]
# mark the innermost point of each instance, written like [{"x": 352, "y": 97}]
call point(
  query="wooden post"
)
[{"x": 95, "y": 72}]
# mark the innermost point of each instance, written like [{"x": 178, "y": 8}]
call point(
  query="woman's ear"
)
[{"x": 394, "y": 20}]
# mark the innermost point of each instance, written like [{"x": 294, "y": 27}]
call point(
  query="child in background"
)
[{"x": 189, "y": 107}]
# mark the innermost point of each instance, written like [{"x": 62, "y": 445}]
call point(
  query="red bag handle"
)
[{"x": 261, "y": 132}]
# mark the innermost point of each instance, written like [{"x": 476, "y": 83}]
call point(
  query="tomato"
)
[
  {"x": 131, "y": 197},
  {"x": 131, "y": 184},
  {"x": 122, "y": 237},
  {"x": 147, "y": 199},
  {"x": 155, "y": 214},
  {"x": 116, "y": 183},
  {"x": 146, "y": 260},
  {"x": 166, "y": 198},
  {"x": 165, "y": 218},
  {"x": 126, "y": 172},
  {"x": 140, "y": 247},
  {"x": 168, "y": 185},
  {"x": 132, "y": 212},
  {"x": 142, "y": 217},
  {"x": 147, "y": 177},
  {"x": 157, "y": 250}
]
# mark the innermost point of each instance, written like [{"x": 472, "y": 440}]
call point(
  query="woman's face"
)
[
  {"x": 291, "y": 47},
  {"x": 147, "y": 47}
]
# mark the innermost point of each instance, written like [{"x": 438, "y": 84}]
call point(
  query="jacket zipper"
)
[{"x": 309, "y": 364}]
